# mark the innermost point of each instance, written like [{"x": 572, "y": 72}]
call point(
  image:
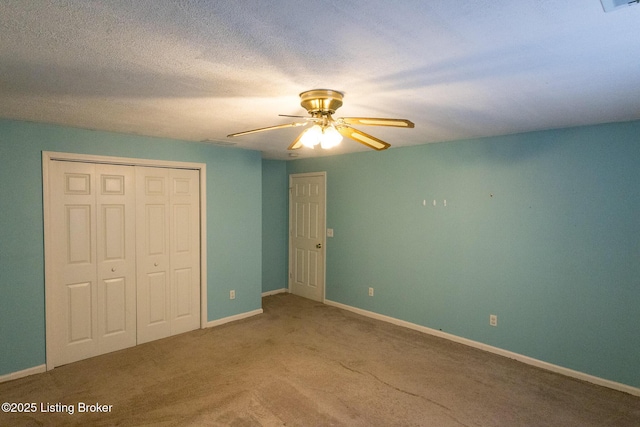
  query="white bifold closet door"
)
[
  {"x": 126, "y": 262},
  {"x": 168, "y": 241},
  {"x": 93, "y": 217}
]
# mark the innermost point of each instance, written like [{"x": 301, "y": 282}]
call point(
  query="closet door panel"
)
[
  {"x": 116, "y": 225},
  {"x": 185, "y": 250},
  {"x": 153, "y": 254},
  {"x": 74, "y": 299}
]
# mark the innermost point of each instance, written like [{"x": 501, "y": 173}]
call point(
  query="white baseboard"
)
[
  {"x": 475, "y": 344},
  {"x": 24, "y": 373},
  {"x": 233, "y": 318},
  {"x": 519, "y": 357},
  {"x": 277, "y": 291}
]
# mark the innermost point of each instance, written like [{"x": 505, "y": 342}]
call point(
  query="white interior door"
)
[
  {"x": 93, "y": 301},
  {"x": 153, "y": 255},
  {"x": 116, "y": 257},
  {"x": 168, "y": 250},
  {"x": 75, "y": 297},
  {"x": 184, "y": 202},
  {"x": 307, "y": 199}
]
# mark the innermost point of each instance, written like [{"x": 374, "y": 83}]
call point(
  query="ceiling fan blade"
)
[
  {"x": 289, "y": 115},
  {"x": 372, "y": 121},
  {"x": 363, "y": 138},
  {"x": 286, "y": 125},
  {"x": 297, "y": 143}
]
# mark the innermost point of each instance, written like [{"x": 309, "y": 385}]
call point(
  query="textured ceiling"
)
[{"x": 199, "y": 70}]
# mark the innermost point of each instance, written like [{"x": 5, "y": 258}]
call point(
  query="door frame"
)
[
  {"x": 323, "y": 174},
  {"x": 50, "y": 156}
]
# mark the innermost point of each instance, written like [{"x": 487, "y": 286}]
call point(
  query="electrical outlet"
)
[
  {"x": 370, "y": 292},
  {"x": 493, "y": 320},
  {"x": 232, "y": 294}
]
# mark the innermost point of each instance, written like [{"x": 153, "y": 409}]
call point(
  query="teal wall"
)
[
  {"x": 274, "y": 225},
  {"x": 234, "y": 225},
  {"x": 541, "y": 229}
]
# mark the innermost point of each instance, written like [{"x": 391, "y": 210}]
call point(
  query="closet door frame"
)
[{"x": 50, "y": 156}]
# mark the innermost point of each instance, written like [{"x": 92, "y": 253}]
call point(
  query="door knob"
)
[
  {"x": 155, "y": 264},
  {"x": 319, "y": 246},
  {"x": 113, "y": 269}
]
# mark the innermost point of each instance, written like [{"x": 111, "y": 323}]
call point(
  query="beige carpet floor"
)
[{"x": 303, "y": 363}]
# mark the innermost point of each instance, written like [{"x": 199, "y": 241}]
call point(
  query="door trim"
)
[
  {"x": 323, "y": 174},
  {"x": 48, "y": 157}
]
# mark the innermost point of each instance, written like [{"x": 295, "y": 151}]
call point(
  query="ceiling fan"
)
[{"x": 327, "y": 131}]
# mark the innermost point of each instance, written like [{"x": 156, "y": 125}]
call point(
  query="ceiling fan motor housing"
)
[{"x": 321, "y": 101}]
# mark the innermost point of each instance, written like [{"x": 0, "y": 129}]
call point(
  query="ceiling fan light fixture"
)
[
  {"x": 327, "y": 137},
  {"x": 330, "y": 137},
  {"x": 311, "y": 137}
]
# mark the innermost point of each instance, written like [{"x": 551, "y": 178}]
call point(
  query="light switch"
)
[{"x": 329, "y": 232}]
